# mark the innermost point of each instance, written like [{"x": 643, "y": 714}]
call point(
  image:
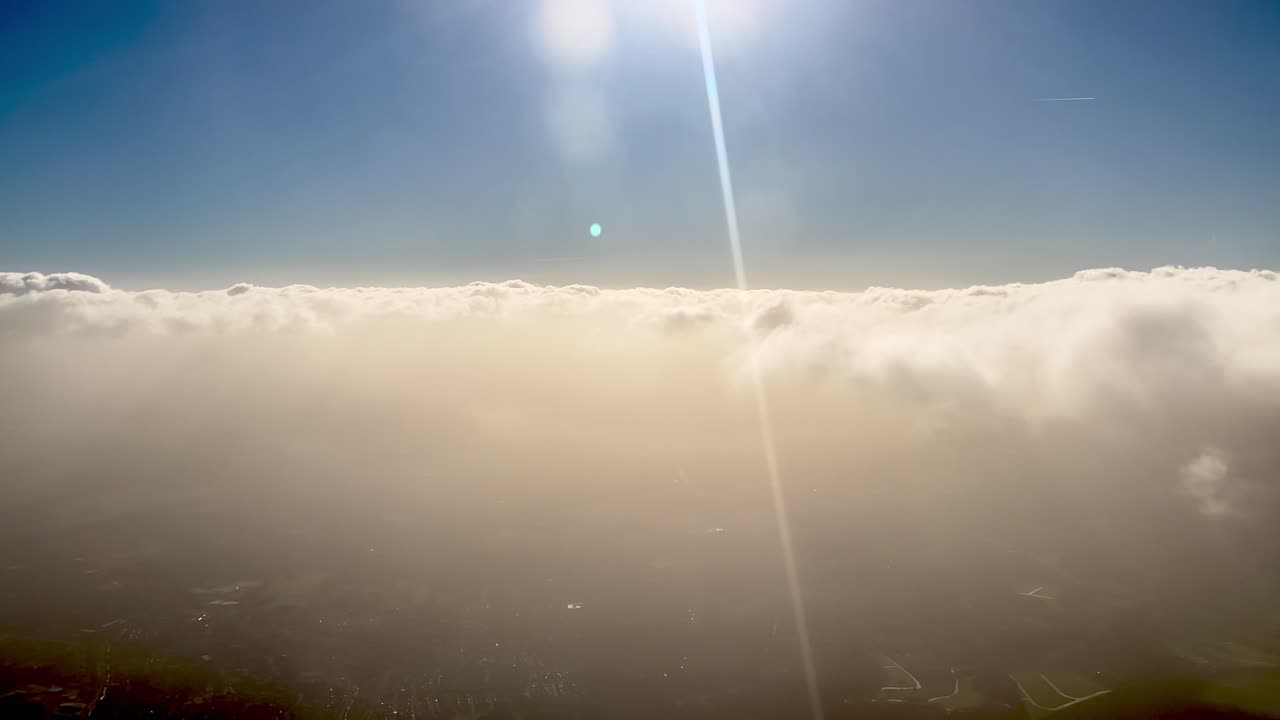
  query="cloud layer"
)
[
  {"x": 1101, "y": 337},
  {"x": 1108, "y": 412}
]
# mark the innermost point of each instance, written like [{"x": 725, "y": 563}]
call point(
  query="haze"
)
[
  {"x": 577, "y": 359},
  {"x": 569, "y": 482}
]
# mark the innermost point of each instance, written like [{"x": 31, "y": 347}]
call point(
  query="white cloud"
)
[
  {"x": 1101, "y": 336},
  {"x": 12, "y": 283},
  {"x": 1110, "y": 400}
]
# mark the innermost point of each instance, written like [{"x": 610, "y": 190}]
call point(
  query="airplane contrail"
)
[
  {"x": 1064, "y": 99},
  {"x": 757, "y": 381}
]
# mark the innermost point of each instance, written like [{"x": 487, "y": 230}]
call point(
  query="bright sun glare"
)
[{"x": 575, "y": 34}]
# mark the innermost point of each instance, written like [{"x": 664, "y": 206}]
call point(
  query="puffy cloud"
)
[
  {"x": 774, "y": 317},
  {"x": 1102, "y": 336},
  {"x": 1093, "y": 414},
  {"x": 12, "y": 283}
]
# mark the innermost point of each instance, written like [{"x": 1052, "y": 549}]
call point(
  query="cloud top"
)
[
  {"x": 1101, "y": 336},
  {"x": 12, "y": 283},
  {"x": 1111, "y": 399},
  {"x": 74, "y": 302}
]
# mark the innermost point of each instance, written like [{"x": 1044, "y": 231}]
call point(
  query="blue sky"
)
[{"x": 881, "y": 142}]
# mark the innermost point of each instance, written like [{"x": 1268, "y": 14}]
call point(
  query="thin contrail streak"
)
[
  {"x": 1064, "y": 99},
  {"x": 757, "y": 383}
]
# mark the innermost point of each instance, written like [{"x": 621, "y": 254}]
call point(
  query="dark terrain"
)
[{"x": 211, "y": 607}]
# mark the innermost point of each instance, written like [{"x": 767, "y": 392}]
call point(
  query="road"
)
[
  {"x": 893, "y": 663},
  {"x": 954, "y": 690},
  {"x": 1073, "y": 701},
  {"x": 1036, "y": 594}
]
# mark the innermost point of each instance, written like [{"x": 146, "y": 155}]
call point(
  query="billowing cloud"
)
[
  {"x": 1112, "y": 412},
  {"x": 12, "y": 283}
]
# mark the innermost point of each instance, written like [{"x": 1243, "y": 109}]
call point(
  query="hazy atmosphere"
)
[
  {"x": 560, "y": 468},
  {"x": 633, "y": 359}
]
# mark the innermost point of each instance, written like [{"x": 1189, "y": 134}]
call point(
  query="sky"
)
[{"x": 872, "y": 142}]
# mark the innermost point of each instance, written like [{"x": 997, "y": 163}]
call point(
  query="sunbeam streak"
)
[{"x": 757, "y": 383}]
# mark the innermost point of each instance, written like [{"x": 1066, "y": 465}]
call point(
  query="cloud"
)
[
  {"x": 774, "y": 317},
  {"x": 12, "y": 283},
  {"x": 1109, "y": 413}
]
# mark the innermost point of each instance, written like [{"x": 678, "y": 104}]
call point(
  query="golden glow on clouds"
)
[{"x": 1109, "y": 387}]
